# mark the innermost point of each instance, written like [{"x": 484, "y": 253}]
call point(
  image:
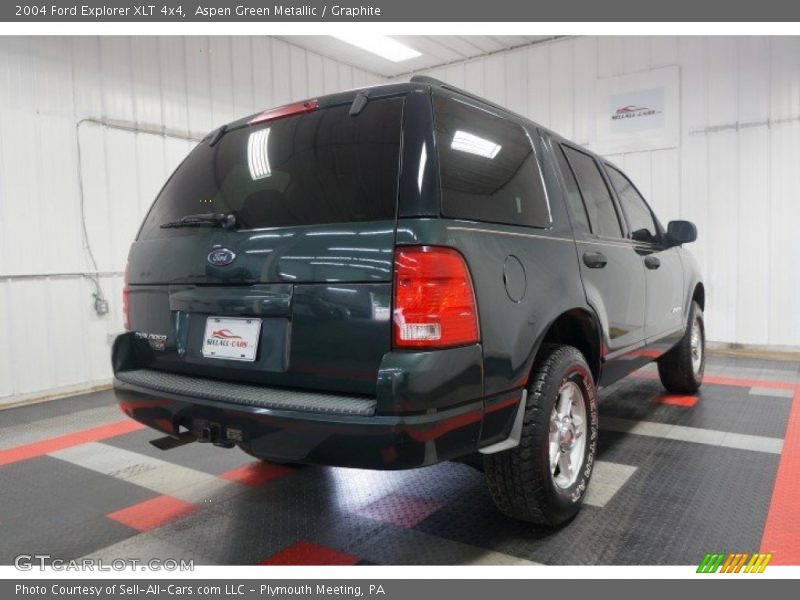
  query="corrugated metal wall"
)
[
  {"x": 736, "y": 173},
  {"x": 51, "y": 339}
]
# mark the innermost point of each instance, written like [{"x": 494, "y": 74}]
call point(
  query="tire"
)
[
  {"x": 521, "y": 481},
  {"x": 681, "y": 369}
]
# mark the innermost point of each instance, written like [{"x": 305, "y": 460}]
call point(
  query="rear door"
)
[
  {"x": 612, "y": 271},
  {"x": 308, "y": 263}
]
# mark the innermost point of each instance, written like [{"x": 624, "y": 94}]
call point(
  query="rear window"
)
[
  {"x": 319, "y": 167},
  {"x": 489, "y": 171}
]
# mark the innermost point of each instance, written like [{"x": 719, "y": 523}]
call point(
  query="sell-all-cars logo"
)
[
  {"x": 736, "y": 562},
  {"x": 632, "y": 111},
  {"x": 219, "y": 257},
  {"x": 225, "y": 334}
]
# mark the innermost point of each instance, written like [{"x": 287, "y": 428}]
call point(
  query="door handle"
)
[
  {"x": 595, "y": 260},
  {"x": 652, "y": 262}
]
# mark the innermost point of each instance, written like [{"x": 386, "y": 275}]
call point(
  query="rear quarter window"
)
[
  {"x": 489, "y": 171},
  {"x": 316, "y": 168}
]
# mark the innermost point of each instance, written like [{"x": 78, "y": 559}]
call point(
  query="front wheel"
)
[
  {"x": 543, "y": 480},
  {"x": 681, "y": 369}
]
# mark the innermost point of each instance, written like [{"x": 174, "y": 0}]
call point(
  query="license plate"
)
[{"x": 231, "y": 338}]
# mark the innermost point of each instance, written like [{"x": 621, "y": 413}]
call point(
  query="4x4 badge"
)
[{"x": 219, "y": 257}]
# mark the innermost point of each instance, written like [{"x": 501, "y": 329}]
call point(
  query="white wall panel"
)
[
  {"x": 584, "y": 67},
  {"x": 663, "y": 51},
  {"x": 753, "y": 231},
  {"x": 635, "y": 53},
  {"x": 562, "y": 97},
  {"x": 316, "y": 76},
  {"x": 783, "y": 293},
  {"x": 242, "y": 73},
  {"x": 721, "y": 229},
  {"x": 263, "y": 88},
  {"x": 330, "y": 76},
  {"x": 734, "y": 172},
  {"x": 172, "y": 80},
  {"x": 494, "y": 73},
  {"x": 538, "y": 82},
  {"x": 456, "y": 74},
  {"x": 198, "y": 84},
  {"x": 6, "y": 365},
  {"x": 516, "y": 83},
  {"x": 220, "y": 72},
  {"x": 181, "y": 85},
  {"x": 345, "y": 77},
  {"x": 297, "y": 72},
  {"x": 146, "y": 80}
]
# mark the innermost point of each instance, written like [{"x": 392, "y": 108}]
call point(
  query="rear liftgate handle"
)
[
  {"x": 652, "y": 262},
  {"x": 595, "y": 260}
]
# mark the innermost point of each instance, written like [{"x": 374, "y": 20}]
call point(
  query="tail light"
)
[
  {"x": 126, "y": 317},
  {"x": 434, "y": 302},
  {"x": 285, "y": 111}
]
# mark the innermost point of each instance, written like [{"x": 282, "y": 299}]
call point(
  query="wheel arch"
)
[
  {"x": 580, "y": 328},
  {"x": 699, "y": 295}
]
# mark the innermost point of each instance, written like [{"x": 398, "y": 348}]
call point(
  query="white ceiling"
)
[{"x": 436, "y": 50}]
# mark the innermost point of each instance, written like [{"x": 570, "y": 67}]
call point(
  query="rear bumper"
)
[
  {"x": 376, "y": 442},
  {"x": 345, "y": 433}
]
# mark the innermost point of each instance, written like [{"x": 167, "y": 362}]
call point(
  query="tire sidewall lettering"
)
[{"x": 578, "y": 489}]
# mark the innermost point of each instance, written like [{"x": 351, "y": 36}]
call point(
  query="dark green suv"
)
[{"x": 401, "y": 275}]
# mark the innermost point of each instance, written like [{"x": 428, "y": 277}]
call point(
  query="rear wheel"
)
[
  {"x": 681, "y": 369},
  {"x": 543, "y": 480}
]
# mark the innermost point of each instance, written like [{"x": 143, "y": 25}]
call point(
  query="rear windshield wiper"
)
[{"x": 203, "y": 220}]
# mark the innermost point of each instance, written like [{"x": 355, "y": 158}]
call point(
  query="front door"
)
[{"x": 662, "y": 265}]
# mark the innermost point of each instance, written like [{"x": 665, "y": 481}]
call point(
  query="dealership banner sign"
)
[
  {"x": 512, "y": 11},
  {"x": 638, "y": 112}
]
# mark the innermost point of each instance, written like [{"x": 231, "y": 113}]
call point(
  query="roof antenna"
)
[{"x": 359, "y": 102}]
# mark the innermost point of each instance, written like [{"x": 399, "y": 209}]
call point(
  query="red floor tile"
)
[
  {"x": 152, "y": 513},
  {"x": 309, "y": 553},
  {"x": 742, "y": 382},
  {"x": 256, "y": 474},
  {"x": 94, "y": 434},
  {"x": 400, "y": 510},
  {"x": 676, "y": 400},
  {"x": 719, "y": 380},
  {"x": 782, "y": 528}
]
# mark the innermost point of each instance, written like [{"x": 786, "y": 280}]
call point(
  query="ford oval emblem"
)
[{"x": 219, "y": 257}]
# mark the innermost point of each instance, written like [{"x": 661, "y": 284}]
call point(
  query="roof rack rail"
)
[{"x": 452, "y": 88}]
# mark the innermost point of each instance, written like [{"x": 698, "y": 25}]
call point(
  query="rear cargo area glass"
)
[
  {"x": 489, "y": 171},
  {"x": 319, "y": 167}
]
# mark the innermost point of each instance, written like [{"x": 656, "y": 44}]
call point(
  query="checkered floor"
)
[{"x": 677, "y": 476}]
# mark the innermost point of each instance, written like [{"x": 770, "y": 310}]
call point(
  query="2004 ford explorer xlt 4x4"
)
[{"x": 395, "y": 276}]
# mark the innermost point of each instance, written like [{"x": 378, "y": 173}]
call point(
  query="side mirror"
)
[{"x": 681, "y": 232}]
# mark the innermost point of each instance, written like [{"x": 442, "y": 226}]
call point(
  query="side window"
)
[
  {"x": 599, "y": 205},
  {"x": 574, "y": 200},
  {"x": 640, "y": 219},
  {"x": 489, "y": 171}
]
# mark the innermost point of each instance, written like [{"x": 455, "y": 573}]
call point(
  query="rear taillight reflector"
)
[
  {"x": 126, "y": 318},
  {"x": 434, "y": 302},
  {"x": 285, "y": 111}
]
